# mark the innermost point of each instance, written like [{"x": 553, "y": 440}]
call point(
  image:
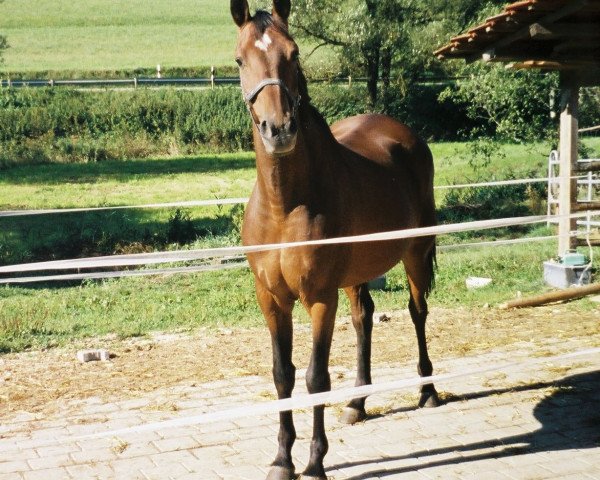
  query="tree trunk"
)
[
  {"x": 372, "y": 57},
  {"x": 386, "y": 72}
]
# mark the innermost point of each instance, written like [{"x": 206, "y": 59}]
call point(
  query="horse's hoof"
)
[
  {"x": 312, "y": 477},
  {"x": 281, "y": 473},
  {"x": 352, "y": 415},
  {"x": 429, "y": 400},
  {"x": 313, "y": 473}
]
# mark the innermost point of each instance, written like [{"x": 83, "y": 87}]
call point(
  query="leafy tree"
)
[
  {"x": 386, "y": 39},
  {"x": 514, "y": 105},
  {"x": 366, "y": 33}
]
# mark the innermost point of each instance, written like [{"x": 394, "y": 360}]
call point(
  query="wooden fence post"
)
[{"x": 569, "y": 103}]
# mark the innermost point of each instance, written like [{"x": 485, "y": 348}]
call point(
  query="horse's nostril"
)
[
  {"x": 269, "y": 130},
  {"x": 263, "y": 127},
  {"x": 292, "y": 126}
]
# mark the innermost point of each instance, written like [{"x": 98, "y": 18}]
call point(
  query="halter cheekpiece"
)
[{"x": 250, "y": 97}]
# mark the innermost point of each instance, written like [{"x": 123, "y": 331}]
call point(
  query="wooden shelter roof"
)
[{"x": 545, "y": 34}]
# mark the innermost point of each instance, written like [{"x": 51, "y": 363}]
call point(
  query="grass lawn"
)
[
  {"x": 43, "y": 315},
  {"x": 53, "y": 315},
  {"x": 215, "y": 176},
  {"x": 132, "y": 182},
  {"x": 114, "y": 35}
]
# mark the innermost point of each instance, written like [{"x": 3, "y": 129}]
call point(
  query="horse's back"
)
[
  {"x": 383, "y": 140},
  {"x": 389, "y": 144}
]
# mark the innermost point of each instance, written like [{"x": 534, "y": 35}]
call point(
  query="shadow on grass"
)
[
  {"x": 569, "y": 420},
  {"x": 125, "y": 170},
  {"x": 72, "y": 235}
]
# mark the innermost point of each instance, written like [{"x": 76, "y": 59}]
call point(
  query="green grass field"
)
[
  {"x": 54, "y": 314},
  {"x": 212, "y": 176},
  {"x": 111, "y": 35}
]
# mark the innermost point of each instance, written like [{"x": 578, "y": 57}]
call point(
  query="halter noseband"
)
[{"x": 250, "y": 97}]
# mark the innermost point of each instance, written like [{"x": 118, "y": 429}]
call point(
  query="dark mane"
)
[{"x": 303, "y": 86}]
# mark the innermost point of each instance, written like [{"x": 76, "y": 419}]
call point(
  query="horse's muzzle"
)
[{"x": 279, "y": 140}]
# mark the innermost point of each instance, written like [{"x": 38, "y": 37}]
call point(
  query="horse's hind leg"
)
[
  {"x": 362, "y": 307},
  {"x": 418, "y": 264}
]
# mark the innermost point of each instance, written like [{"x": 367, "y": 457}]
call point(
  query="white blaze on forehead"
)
[{"x": 263, "y": 43}]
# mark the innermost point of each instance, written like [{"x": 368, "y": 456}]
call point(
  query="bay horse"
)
[{"x": 365, "y": 174}]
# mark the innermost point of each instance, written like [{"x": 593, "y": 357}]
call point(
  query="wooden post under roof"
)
[
  {"x": 569, "y": 108},
  {"x": 549, "y": 35}
]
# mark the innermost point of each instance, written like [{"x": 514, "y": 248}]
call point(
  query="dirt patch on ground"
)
[{"x": 41, "y": 381}]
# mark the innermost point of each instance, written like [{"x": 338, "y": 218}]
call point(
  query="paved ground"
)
[{"x": 542, "y": 423}]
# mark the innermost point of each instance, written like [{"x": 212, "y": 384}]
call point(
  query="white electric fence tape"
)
[
  {"x": 498, "y": 183},
  {"x": 237, "y": 262},
  {"x": 235, "y": 201},
  {"x": 123, "y": 273},
  {"x": 187, "y": 255},
  {"x": 191, "y": 203},
  {"x": 306, "y": 401}
]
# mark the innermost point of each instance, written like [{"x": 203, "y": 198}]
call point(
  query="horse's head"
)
[{"x": 269, "y": 73}]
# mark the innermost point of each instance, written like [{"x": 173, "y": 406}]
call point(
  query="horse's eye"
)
[{"x": 238, "y": 61}]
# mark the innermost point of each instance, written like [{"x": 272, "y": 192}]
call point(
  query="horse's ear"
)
[
  {"x": 240, "y": 11},
  {"x": 281, "y": 9}
]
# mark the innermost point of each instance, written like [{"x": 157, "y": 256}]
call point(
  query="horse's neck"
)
[{"x": 293, "y": 180}]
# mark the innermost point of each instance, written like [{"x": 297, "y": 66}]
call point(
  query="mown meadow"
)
[{"x": 107, "y": 36}]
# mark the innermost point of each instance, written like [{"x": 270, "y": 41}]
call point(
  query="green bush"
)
[
  {"x": 66, "y": 125},
  {"x": 336, "y": 101}
]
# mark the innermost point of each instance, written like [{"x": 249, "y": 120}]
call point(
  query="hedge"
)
[{"x": 68, "y": 125}]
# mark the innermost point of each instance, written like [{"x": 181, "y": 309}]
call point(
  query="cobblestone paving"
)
[{"x": 536, "y": 424}]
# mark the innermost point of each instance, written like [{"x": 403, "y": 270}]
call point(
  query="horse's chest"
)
[{"x": 296, "y": 269}]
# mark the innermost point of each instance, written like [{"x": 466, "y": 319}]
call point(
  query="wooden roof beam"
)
[
  {"x": 590, "y": 57},
  {"x": 550, "y": 65},
  {"x": 523, "y": 33},
  {"x": 539, "y": 31}
]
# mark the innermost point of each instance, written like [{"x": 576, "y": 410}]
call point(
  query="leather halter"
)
[{"x": 250, "y": 97}]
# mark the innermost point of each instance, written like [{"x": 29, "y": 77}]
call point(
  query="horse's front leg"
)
[
  {"x": 278, "y": 314},
  {"x": 322, "y": 312}
]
